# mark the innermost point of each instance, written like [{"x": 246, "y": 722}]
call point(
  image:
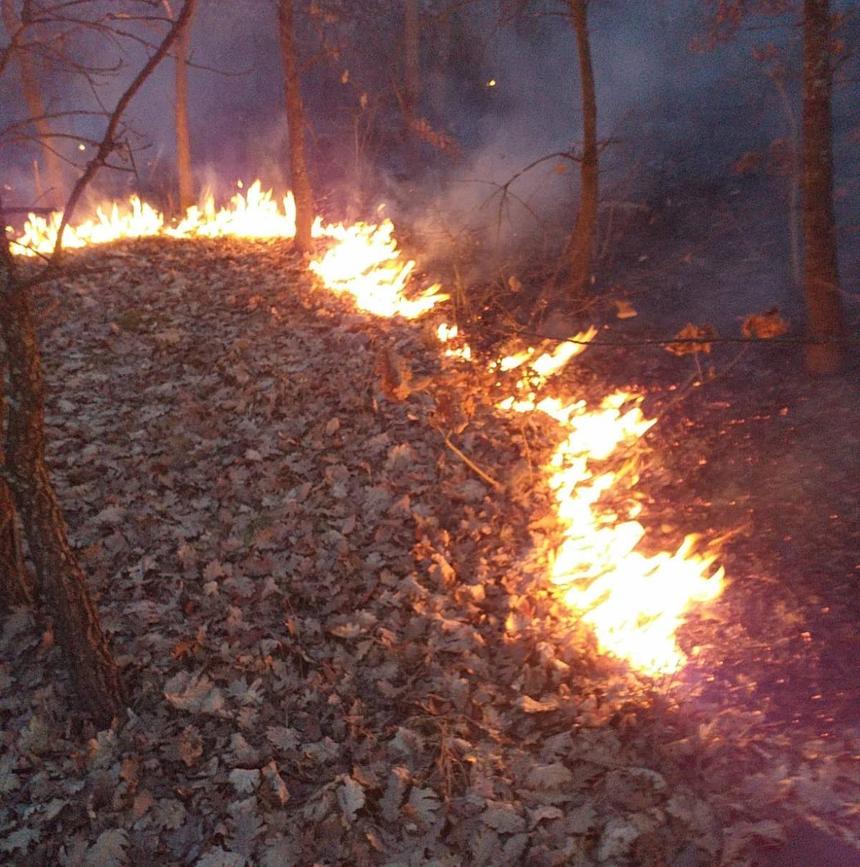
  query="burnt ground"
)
[{"x": 338, "y": 638}]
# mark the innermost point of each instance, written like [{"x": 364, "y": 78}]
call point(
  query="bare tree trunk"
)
[
  {"x": 183, "y": 137},
  {"x": 54, "y": 169},
  {"x": 299, "y": 178},
  {"x": 824, "y": 308},
  {"x": 411, "y": 62},
  {"x": 16, "y": 587},
  {"x": 581, "y": 244},
  {"x": 61, "y": 583}
]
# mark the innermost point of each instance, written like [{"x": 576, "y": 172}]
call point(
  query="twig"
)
[{"x": 498, "y": 486}]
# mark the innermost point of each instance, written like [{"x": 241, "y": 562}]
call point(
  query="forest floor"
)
[{"x": 340, "y": 642}]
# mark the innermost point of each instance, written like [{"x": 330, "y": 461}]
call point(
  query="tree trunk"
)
[
  {"x": 61, "y": 584},
  {"x": 16, "y": 587},
  {"x": 581, "y": 244},
  {"x": 299, "y": 178},
  {"x": 54, "y": 169},
  {"x": 411, "y": 62},
  {"x": 824, "y": 308},
  {"x": 183, "y": 138},
  {"x": 411, "y": 93}
]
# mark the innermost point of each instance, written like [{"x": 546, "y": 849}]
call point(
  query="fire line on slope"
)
[{"x": 634, "y": 602}]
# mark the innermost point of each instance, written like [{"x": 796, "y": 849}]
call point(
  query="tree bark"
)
[
  {"x": 299, "y": 178},
  {"x": 581, "y": 244},
  {"x": 61, "y": 584},
  {"x": 183, "y": 136},
  {"x": 411, "y": 62},
  {"x": 824, "y": 307},
  {"x": 52, "y": 163},
  {"x": 16, "y": 585}
]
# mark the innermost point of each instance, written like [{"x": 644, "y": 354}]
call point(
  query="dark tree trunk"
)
[
  {"x": 410, "y": 96},
  {"x": 581, "y": 244},
  {"x": 53, "y": 165},
  {"x": 16, "y": 586},
  {"x": 299, "y": 178},
  {"x": 824, "y": 308},
  {"x": 61, "y": 584},
  {"x": 183, "y": 136},
  {"x": 411, "y": 62}
]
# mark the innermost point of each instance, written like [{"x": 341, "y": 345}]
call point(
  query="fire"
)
[
  {"x": 364, "y": 262},
  {"x": 112, "y": 222},
  {"x": 634, "y": 601},
  {"x": 255, "y": 214}
]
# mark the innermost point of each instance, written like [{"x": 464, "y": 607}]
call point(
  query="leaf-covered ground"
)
[{"x": 338, "y": 638}]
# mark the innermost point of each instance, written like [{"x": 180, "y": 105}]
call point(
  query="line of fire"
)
[{"x": 429, "y": 433}]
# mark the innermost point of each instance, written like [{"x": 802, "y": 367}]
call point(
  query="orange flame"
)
[
  {"x": 362, "y": 260},
  {"x": 634, "y": 602}
]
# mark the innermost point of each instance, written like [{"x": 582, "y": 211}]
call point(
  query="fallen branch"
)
[{"x": 498, "y": 486}]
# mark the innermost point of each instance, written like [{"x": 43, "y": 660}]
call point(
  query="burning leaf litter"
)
[{"x": 634, "y": 602}]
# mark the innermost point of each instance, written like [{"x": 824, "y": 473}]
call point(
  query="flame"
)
[
  {"x": 450, "y": 334},
  {"x": 111, "y": 222},
  {"x": 364, "y": 262},
  {"x": 634, "y": 601}
]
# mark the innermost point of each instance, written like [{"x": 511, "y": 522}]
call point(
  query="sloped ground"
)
[{"x": 337, "y": 636}]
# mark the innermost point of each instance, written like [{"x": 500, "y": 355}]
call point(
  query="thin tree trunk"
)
[
  {"x": 183, "y": 136},
  {"x": 299, "y": 178},
  {"x": 16, "y": 587},
  {"x": 411, "y": 62},
  {"x": 411, "y": 95},
  {"x": 61, "y": 584},
  {"x": 581, "y": 244},
  {"x": 54, "y": 169},
  {"x": 824, "y": 308}
]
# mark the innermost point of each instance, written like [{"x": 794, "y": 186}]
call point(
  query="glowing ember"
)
[
  {"x": 634, "y": 601},
  {"x": 449, "y": 334}
]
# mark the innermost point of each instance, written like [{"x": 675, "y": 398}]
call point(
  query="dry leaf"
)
[
  {"x": 549, "y": 776},
  {"x": 624, "y": 309},
  {"x": 108, "y": 850},
  {"x": 244, "y": 780},
  {"x": 764, "y": 326},
  {"x": 504, "y": 819},
  {"x": 692, "y": 333},
  {"x": 194, "y": 693},
  {"x": 350, "y": 797},
  {"x": 530, "y": 705}
]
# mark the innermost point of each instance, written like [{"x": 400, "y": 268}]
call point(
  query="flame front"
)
[
  {"x": 634, "y": 601},
  {"x": 365, "y": 263}
]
